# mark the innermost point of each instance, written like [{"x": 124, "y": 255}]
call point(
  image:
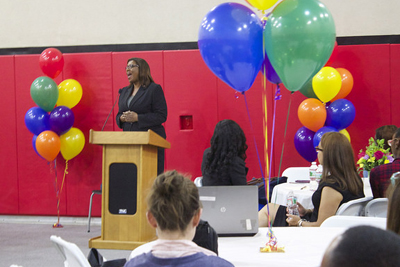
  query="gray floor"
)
[{"x": 25, "y": 240}]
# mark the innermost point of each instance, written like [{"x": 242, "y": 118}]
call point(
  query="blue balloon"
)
[
  {"x": 303, "y": 141},
  {"x": 37, "y": 120},
  {"x": 318, "y": 134},
  {"x": 34, "y": 145},
  {"x": 61, "y": 119},
  {"x": 340, "y": 114},
  {"x": 230, "y": 42}
]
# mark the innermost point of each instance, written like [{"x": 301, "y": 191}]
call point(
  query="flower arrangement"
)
[{"x": 374, "y": 155}]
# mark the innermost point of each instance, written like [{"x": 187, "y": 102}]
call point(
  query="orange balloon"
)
[
  {"x": 312, "y": 114},
  {"x": 48, "y": 145},
  {"x": 347, "y": 84}
]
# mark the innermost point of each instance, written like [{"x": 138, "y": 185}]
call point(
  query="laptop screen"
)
[{"x": 231, "y": 210}]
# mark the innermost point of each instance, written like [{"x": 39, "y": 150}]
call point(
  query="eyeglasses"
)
[
  {"x": 390, "y": 142},
  {"x": 131, "y": 66},
  {"x": 318, "y": 149}
]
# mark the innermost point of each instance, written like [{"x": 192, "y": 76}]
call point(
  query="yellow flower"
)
[
  {"x": 386, "y": 161},
  {"x": 360, "y": 160}
]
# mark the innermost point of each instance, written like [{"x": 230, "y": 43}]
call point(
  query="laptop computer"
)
[{"x": 231, "y": 210}]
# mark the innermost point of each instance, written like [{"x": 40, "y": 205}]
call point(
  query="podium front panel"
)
[{"x": 123, "y": 189}]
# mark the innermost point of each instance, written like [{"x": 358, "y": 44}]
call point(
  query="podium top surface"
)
[{"x": 127, "y": 138}]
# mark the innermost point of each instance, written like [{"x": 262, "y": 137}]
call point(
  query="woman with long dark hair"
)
[
  {"x": 224, "y": 162},
  {"x": 339, "y": 184}
]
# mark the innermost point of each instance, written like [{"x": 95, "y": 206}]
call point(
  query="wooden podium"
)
[{"x": 128, "y": 171}]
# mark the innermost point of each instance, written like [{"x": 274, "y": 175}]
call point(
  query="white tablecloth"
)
[
  {"x": 303, "y": 193},
  {"x": 304, "y": 246}
]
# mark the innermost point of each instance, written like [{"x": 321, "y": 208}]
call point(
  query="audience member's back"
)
[{"x": 363, "y": 246}]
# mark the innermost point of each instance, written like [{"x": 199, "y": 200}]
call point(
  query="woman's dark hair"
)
[
  {"x": 144, "y": 71},
  {"x": 173, "y": 200},
  {"x": 385, "y": 132},
  {"x": 338, "y": 163},
  {"x": 227, "y": 142}
]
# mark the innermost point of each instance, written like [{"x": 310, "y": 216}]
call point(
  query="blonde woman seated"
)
[
  {"x": 339, "y": 184},
  {"x": 174, "y": 209},
  {"x": 393, "y": 195}
]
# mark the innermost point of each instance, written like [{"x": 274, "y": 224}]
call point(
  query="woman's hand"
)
[
  {"x": 292, "y": 220},
  {"x": 129, "y": 116},
  {"x": 302, "y": 210}
]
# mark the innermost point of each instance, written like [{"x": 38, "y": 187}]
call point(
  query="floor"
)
[{"x": 25, "y": 240}]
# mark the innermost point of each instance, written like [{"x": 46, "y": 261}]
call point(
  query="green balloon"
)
[
  {"x": 299, "y": 39},
  {"x": 307, "y": 90},
  {"x": 44, "y": 92}
]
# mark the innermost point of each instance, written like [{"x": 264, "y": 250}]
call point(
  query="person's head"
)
[
  {"x": 385, "y": 132},
  {"x": 393, "y": 195},
  {"x": 138, "y": 71},
  {"x": 173, "y": 203},
  {"x": 336, "y": 155},
  {"x": 363, "y": 246},
  {"x": 394, "y": 143},
  {"x": 227, "y": 142}
]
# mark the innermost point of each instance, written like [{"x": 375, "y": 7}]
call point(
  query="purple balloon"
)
[
  {"x": 303, "y": 141},
  {"x": 230, "y": 43},
  {"x": 340, "y": 114},
  {"x": 61, "y": 119},
  {"x": 318, "y": 134},
  {"x": 272, "y": 76},
  {"x": 37, "y": 120}
]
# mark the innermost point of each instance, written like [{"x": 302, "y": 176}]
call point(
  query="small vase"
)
[{"x": 365, "y": 174}]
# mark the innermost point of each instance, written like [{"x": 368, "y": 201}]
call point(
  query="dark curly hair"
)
[{"x": 227, "y": 142}]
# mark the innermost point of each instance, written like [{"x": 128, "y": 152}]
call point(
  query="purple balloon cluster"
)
[
  {"x": 59, "y": 120},
  {"x": 340, "y": 114}
]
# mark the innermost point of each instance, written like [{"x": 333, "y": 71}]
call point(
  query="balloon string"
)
[
  {"x": 284, "y": 139},
  {"x": 252, "y": 131},
  {"x": 266, "y": 184}
]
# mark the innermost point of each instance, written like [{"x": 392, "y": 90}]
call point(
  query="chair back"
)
[
  {"x": 296, "y": 173},
  {"x": 377, "y": 208},
  {"x": 350, "y": 221},
  {"x": 353, "y": 207},
  {"x": 71, "y": 253}
]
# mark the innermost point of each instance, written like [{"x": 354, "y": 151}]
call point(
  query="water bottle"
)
[
  {"x": 292, "y": 204},
  {"x": 313, "y": 176},
  {"x": 318, "y": 173}
]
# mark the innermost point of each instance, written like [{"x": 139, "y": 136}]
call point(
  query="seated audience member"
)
[
  {"x": 339, "y": 184},
  {"x": 174, "y": 209},
  {"x": 363, "y": 246},
  {"x": 385, "y": 132},
  {"x": 379, "y": 177},
  {"x": 224, "y": 162},
  {"x": 393, "y": 194}
]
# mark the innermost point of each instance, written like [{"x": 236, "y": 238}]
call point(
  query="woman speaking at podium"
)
[{"x": 142, "y": 104}]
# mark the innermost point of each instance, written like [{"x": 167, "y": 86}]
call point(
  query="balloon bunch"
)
[
  {"x": 327, "y": 112},
  {"x": 52, "y": 120}
]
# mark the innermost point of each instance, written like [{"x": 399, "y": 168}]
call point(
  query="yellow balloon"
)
[
  {"x": 326, "y": 83},
  {"x": 72, "y": 143},
  {"x": 346, "y": 133},
  {"x": 69, "y": 93},
  {"x": 262, "y": 4}
]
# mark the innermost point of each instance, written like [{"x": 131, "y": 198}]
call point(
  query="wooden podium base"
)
[{"x": 97, "y": 242}]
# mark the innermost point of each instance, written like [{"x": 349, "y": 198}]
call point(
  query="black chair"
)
[{"x": 94, "y": 192}]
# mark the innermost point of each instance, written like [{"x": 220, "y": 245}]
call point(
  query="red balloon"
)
[
  {"x": 333, "y": 55},
  {"x": 51, "y": 62},
  {"x": 312, "y": 114}
]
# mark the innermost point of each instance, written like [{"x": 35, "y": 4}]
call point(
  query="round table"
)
[{"x": 303, "y": 193}]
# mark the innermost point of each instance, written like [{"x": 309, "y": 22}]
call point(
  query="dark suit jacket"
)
[{"x": 150, "y": 105}]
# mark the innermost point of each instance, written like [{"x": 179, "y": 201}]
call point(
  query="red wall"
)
[{"x": 28, "y": 182}]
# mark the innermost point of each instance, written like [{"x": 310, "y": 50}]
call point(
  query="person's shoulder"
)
[
  {"x": 217, "y": 261},
  {"x": 139, "y": 261}
]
